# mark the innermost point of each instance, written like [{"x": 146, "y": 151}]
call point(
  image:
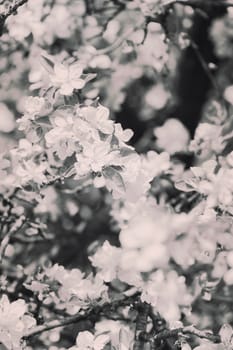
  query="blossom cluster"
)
[{"x": 98, "y": 230}]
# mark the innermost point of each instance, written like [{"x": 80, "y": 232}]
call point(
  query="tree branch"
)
[
  {"x": 91, "y": 315},
  {"x": 190, "y": 330},
  {"x": 13, "y": 8},
  {"x": 58, "y": 323},
  {"x": 10, "y": 11},
  {"x": 141, "y": 323}
]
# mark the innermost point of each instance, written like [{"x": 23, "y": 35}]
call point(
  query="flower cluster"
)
[
  {"x": 107, "y": 230},
  {"x": 14, "y": 322},
  {"x": 68, "y": 289}
]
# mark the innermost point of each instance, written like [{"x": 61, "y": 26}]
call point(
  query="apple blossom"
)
[
  {"x": 14, "y": 322},
  {"x": 67, "y": 78}
]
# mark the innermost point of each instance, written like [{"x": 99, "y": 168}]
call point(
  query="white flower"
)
[
  {"x": 121, "y": 335},
  {"x": 155, "y": 163},
  {"x": 167, "y": 293},
  {"x": 100, "y": 61},
  {"x": 25, "y": 149},
  {"x": 13, "y": 322},
  {"x": 4, "y": 164},
  {"x": 207, "y": 345},
  {"x": 87, "y": 341},
  {"x": 75, "y": 291},
  {"x": 7, "y": 119},
  {"x": 185, "y": 346},
  {"x": 60, "y": 22},
  {"x": 207, "y": 139},
  {"x": 27, "y": 21},
  {"x": 61, "y": 138},
  {"x": 33, "y": 105},
  {"x": 107, "y": 260},
  {"x": 67, "y": 78},
  {"x": 123, "y": 135},
  {"x": 157, "y": 97},
  {"x": 228, "y": 94},
  {"x": 143, "y": 230},
  {"x": 28, "y": 170},
  {"x": 172, "y": 136},
  {"x": 95, "y": 157},
  {"x": 48, "y": 203},
  {"x": 216, "y": 185},
  {"x": 143, "y": 239},
  {"x": 98, "y": 118}
]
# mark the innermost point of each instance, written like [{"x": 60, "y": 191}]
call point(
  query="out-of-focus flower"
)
[
  {"x": 172, "y": 136},
  {"x": 60, "y": 22},
  {"x": 4, "y": 164},
  {"x": 48, "y": 203},
  {"x": 108, "y": 261},
  {"x": 101, "y": 62},
  {"x": 150, "y": 54},
  {"x": 168, "y": 294},
  {"x": 228, "y": 94},
  {"x": 145, "y": 236},
  {"x": 221, "y": 34},
  {"x": 27, "y": 21},
  {"x": 157, "y": 97},
  {"x": 207, "y": 140},
  {"x": 7, "y": 120}
]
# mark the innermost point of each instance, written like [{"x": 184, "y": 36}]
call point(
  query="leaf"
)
[
  {"x": 47, "y": 63},
  {"x": 69, "y": 172},
  {"x": 182, "y": 186},
  {"x": 89, "y": 77},
  {"x": 114, "y": 180},
  {"x": 127, "y": 151}
]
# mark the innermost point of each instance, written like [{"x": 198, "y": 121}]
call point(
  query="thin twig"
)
[
  {"x": 91, "y": 315},
  {"x": 191, "y": 330},
  {"x": 141, "y": 324},
  {"x": 205, "y": 66},
  {"x": 15, "y": 228},
  {"x": 57, "y": 323}
]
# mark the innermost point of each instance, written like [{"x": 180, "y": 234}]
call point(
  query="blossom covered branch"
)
[{"x": 125, "y": 235}]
